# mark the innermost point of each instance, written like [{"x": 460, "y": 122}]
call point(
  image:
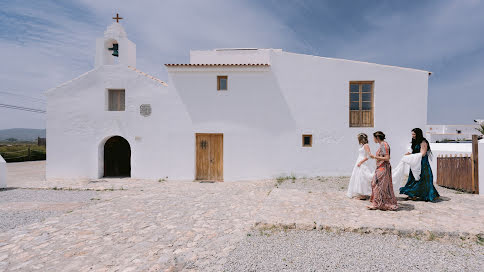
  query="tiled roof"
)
[
  {"x": 148, "y": 76},
  {"x": 215, "y": 64}
]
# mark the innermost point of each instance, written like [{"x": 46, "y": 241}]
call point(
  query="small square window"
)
[
  {"x": 222, "y": 83},
  {"x": 116, "y": 100},
  {"x": 307, "y": 140}
]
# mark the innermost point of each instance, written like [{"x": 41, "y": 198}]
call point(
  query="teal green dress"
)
[{"x": 424, "y": 188}]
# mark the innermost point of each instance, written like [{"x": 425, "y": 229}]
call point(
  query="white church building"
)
[{"x": 229, "y": 114}]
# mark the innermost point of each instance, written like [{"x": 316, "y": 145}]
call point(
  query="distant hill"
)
[{"x": 22, "y": 134}]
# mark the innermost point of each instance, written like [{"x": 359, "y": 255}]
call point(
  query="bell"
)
[{"x": 115, "y": 50}]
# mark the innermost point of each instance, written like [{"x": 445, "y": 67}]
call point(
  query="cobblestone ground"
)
[
  {"x": 143, "y": 225},
  {"x": 323, "y": 200}
]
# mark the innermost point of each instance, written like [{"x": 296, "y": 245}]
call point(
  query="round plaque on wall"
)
[{"x": 145, "y": 110}]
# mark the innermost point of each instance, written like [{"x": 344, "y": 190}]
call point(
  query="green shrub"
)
[{"x": 481, "y": 129}]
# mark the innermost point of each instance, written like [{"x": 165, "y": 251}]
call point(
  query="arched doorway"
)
[{"x": 117, "y": 157}]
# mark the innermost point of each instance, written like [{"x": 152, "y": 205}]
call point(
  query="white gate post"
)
[
  {"x": 3, "y": 173},
  {"x": 481, "y": 166}
]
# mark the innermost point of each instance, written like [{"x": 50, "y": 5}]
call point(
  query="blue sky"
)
[{"x": 45, "y": 43}]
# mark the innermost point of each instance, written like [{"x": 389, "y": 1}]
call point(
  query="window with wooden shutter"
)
[
  {"x": 116, "y": 100},
  {"x": 361, "y": 104}
]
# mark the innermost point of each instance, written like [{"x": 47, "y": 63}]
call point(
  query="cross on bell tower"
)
[{"x": 117, "y": 18}]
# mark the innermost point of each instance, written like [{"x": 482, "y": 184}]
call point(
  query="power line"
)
[
  {"x": 13, "y": 107},
  {"x": 24, "y": 96}
]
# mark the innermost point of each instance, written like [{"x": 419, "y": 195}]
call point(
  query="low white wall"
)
[
  {"x": 452, "y": 129},
  {"x": 3, "y": 173},
  {"x": 447, "y": 149},
  {"x": 441, "y": 137},
  {"x": 481, "y": 167}
]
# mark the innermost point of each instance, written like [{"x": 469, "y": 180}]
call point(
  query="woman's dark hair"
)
[
  {"x": 419, "y": 139},
  {"x": 380, "y": 135},
  {"x": 362, "y": 138}
]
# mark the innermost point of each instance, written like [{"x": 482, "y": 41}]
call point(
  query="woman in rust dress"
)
[{"x": 382, "y": 196}]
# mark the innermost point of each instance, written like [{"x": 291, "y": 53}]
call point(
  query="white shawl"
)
[{"x": 412, "y": 160}]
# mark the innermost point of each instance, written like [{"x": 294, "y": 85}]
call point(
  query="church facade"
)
[{"x": 229, "y": 114}]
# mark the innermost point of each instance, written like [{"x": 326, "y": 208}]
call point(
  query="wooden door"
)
[
  {"x": 203, "y": 159},
  {"x": 209, "y": 157}
]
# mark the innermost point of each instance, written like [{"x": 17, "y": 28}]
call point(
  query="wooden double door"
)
[{"x": 209, "y": 156}]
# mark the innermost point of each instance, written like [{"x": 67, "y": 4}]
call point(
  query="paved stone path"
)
[
  {"x": 143, "y": 225},
  {"x": 323, "y": 201}
]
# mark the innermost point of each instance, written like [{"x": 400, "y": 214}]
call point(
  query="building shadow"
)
[
  {"x": 442, "y": 199},
  {"x": 8, "y": 189}
]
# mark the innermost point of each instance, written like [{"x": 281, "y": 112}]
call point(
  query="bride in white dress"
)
[{"x": 360, "y": 182}]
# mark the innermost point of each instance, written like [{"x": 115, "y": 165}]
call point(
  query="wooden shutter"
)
[{"x": 116, "y": 100}]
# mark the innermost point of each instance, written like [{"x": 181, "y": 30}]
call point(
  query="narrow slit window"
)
[
  {"x": 307, "y": 140},
  {"x": 361, "y": 104},
  {"x": 116, "y": 100},
  {"x": 222, "y": 83}
]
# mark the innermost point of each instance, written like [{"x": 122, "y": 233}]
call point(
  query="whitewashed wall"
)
[
  {"x": 434, "y": 138},
  {"x": 316, "y": 90},
  {"x": 262, "y": 116},
  {"x": 435, "y": 133},
  {"x": 452, "y": 129},
  {"x": 78, "y": 124},
  {"x": 3, "y": 173},
  {"x": 265, "y": 112},
  {"x": 231, "y": 56}
]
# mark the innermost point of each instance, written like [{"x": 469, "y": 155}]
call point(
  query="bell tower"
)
[{"x": 114, "y": 47}]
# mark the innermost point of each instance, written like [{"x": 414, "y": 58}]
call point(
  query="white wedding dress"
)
[
  {"x": 414, "y": 162},
  {"x": 360, "y": 181}
]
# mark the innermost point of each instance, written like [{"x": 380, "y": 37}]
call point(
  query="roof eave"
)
[{"x": 216, "y": 64}]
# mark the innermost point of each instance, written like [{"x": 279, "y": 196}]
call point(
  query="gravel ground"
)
[
  {"x": 12, "y": 218},
  {"x": 55, "y": 196},
  {"x": 323, "y": 251}
]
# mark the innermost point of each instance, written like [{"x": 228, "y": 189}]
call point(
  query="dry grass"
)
[{"x": 19, "y": 152}]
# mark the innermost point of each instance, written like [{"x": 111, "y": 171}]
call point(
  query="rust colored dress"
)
[{"x": 382, "y": 196}]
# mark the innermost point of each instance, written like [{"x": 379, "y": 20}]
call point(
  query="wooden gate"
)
[
  {"x": 459, "y": 172},
  {"x": 209, "y": 157}
]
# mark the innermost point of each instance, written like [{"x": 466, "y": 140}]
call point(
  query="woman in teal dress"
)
[{"x": 422, "y": 189}]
